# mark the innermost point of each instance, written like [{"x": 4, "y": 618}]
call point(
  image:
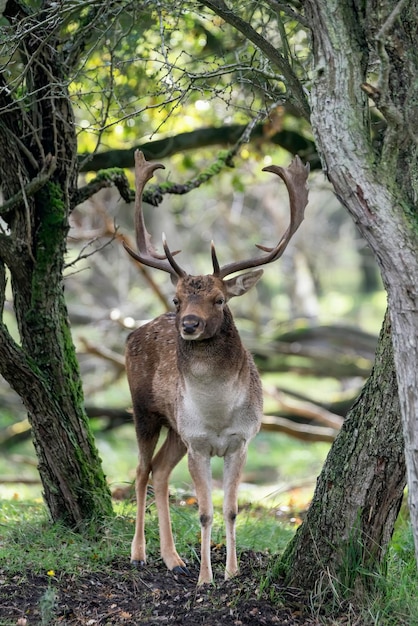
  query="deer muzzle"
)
[{"x": 191, "y": 327}]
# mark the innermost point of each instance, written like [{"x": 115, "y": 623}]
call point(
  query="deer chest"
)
[{"x": 215, "y": 420}]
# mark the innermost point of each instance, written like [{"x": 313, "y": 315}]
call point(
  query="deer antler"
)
[
  {"x": 144, "y": 171},
  {"x": 294, "y": 177}
]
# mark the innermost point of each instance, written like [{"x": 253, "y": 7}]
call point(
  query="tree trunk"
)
[
  {"x": 38, "y": 166},
  {"x": 375, "y": 177},
  {"x": 359, "y": 492},
  {"x": 373, "y": 171}
]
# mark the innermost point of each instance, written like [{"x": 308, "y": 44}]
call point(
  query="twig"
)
[
  {"x": 284, "y": 6},
  {"x": 293, "y": 84},
  {"x": 86, "y": 255},
  {"x": 104, "y": 353},
  {"x": 27, "y": 214},
  {"x": 384, "y": 102}
]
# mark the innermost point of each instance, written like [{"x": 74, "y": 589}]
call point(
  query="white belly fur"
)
[{"x": 216, "y": 420}]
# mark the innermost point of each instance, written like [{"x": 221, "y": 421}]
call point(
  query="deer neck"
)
[{"x": 211, "y": 357}]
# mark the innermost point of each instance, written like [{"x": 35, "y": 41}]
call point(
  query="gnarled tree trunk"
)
[
  {"x": 375, "y": 176},
  {"x": 359, "y": 492},
  {"x": 38, "y": 167},
  {"x": 365, "y": 59}
]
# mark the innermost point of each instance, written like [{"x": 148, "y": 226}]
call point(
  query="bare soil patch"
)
[{"x": 154, "y": 596}]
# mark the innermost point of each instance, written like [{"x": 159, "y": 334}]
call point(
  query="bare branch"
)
[
  {"x": 305, "y": 432},
  {"x": 305, "y": 409},
  {"x": 116, "y": 359},
  {"x": 293, "y": 84},
  {"x": 86, "y": 255},
  {"x": 294, "y": 15}
]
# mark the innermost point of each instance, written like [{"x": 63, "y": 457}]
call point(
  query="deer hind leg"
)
[
  {"x": 233, "y": 466},
  {"x": 200, "y": 471},
  {"x": 170, "y": 453},
  {"x": 146, "y": 447}
]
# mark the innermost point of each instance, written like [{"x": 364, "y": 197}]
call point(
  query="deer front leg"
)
[
  {"x": 233, "y": 465},
  {"x": 170, "y": 453},
  {"x": 146, "y": 450},
  {"x": 200, "y": 471}
]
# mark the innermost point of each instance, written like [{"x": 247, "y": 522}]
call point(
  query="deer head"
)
[{"x": 200, "y": 300}]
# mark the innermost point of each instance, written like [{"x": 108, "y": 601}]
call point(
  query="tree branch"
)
[
  {"x": 304, "y": 432},
  {"x": 15, "y": 368},
  {"x": 15, "y": 255},
  {"x": 112, "y": 177},
  {"x": 154, "y": 193},
  {"x": 118, "y": 360},
  {"x": 293, "y": 142},
  {"x": 15, "y": 9},
  {"x": 293, "y": 84},
  {"x": 289, "y": 11},
  {"x": 20, "y": 431},
  {"x": 31, "y": 188}
]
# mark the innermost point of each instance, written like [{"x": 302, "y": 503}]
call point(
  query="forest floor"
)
[{"x": 154, "y": 596}]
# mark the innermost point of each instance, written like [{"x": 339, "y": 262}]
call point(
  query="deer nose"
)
[{"x": 190, "y": 323}]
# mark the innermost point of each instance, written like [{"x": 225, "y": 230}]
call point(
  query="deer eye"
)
[
  {"x": 176, "y": 302},
  {"x": 220, "y": 301}
]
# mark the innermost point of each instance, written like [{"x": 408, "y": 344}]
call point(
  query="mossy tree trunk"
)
[
  {"x": 374, "y": 173},
  {"x": 365, "y": 64},
  {"x": 359, "y": 492},
  {"x": 38, "y": 171}
]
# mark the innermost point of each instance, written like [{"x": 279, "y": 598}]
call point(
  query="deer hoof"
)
[
  {"x": 137, "y": 564},
  {"x": 180, "y": 570}
]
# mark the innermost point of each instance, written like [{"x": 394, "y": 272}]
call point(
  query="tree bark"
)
[
  {"x": 359, "y": 492},
  {"x": 373, "y": 171},
  {"x": 39, "y": 136},
  {"x": 375, "y": 177}
]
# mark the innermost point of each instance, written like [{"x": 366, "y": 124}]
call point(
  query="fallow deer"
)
[{"x": 188, "y": 371}]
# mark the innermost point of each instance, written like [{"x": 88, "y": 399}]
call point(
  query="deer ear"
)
[{"x": 240, "y": 284}]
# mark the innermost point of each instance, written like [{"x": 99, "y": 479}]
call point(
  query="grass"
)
[
  {"x": 275, "y": 462},
  {"x": 385, "y": 597},
  {"x": 397, "y": 591},
  {"x": 29, "y": 543}
]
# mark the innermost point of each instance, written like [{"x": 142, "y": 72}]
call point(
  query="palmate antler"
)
[
  {"x": 294, "y": 176},
  {"x": 147, "y": 254}
]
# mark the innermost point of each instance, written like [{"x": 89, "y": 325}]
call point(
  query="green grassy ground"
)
[{"x": 29, "y": 543}]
